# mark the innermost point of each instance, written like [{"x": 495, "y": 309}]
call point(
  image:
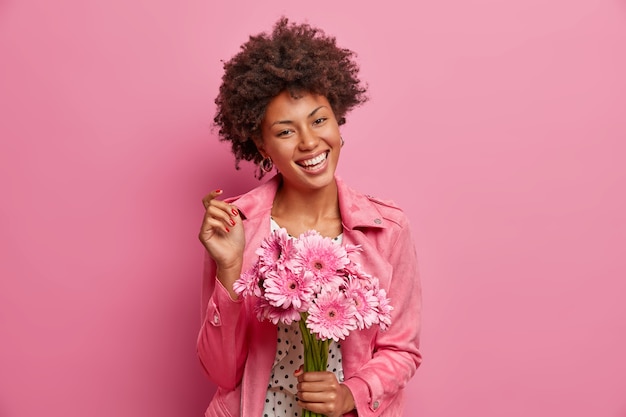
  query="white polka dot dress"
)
[{"x": 280, "y": 400}]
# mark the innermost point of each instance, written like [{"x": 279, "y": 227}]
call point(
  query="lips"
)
[{"x": 314, "y": 162}]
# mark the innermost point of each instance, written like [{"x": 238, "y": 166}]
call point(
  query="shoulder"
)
[
  {"x": 366, "y": 211},
  {"x": 383, "y": 203},
  {"x": 389, "y": 210}
]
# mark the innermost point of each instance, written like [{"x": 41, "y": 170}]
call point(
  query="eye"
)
[
  {"x": 283, "y": 133},
  {"x": 320, "y": 120}
]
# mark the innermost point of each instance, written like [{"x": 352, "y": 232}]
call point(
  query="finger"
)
[
  {"x": 206, "y": 200},
  {"x": 312, "y": 388},
  {"x": 318, "y": 382},
  {"x": 319, "y": 407},
  {"x": 211, "y": 227},
  {"x": 316, "y": 397},
  {"x": 318, "y": 376},
  {"x": 232, "y": 210},
  {"x": 223, "y": 213}
]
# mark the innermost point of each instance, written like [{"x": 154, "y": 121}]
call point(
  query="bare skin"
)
[
  {"x": 321, "y": 393},
  {"x": 222, "y": 235},
  {"x": 301, "y": 136}
]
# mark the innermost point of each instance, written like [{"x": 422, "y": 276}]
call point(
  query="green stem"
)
[{"x": 315, "y": 354}]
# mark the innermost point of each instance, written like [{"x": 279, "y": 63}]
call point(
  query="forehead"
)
[{"x": 287, "y": 106}]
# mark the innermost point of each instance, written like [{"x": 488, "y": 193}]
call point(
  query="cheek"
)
[
  {"x": 279, "y": 151},
  {"x": 335, "y": 138}
]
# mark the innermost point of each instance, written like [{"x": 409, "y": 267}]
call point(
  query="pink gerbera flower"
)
[
  {"x": 322, "y": 257},
  {"x": 265, "y": 311},
  {"x": 384, "y": 309},
  {"x": 275, "y": 252},
  {"x": 352, "y": 249},
  {"x": 332, "y": 315},
  {"x": 354, "y": 270},
  {"x": 286, "y": 289},
  {"x": 365, "y": 302},
  {"x": 248, "y": 282}
]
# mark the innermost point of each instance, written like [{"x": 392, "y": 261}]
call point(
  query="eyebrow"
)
[{"x": 291, "y": 122}]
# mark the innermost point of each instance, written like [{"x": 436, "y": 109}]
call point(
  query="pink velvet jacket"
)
[{"x": 237, "y": 351}]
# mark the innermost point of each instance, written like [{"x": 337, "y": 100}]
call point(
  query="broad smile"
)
[{"x": 314, "y": 163}]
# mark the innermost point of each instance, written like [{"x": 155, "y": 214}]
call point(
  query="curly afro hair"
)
[{"x": 295, "y": 58}]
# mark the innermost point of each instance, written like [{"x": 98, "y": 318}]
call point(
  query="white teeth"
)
[{"x": 314, "y": 161}]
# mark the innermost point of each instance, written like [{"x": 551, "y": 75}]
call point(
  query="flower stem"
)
[{"x": 315, "y": 354}]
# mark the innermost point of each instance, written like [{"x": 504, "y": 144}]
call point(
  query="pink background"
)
[{"x": 499, "y": 126}]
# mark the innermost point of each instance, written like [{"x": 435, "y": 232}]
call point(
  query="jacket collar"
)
[{"x": 357, "y": 210}]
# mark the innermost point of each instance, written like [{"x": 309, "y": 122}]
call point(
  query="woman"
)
[{"x": 281, "y": 102}]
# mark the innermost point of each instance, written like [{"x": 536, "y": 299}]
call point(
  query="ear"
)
[{"x": 258, "y": 142}]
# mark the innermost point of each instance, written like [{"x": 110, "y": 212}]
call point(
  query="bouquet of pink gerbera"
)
[{"x": 314, "y": 281}]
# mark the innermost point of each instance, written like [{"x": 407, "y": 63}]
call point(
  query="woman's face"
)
[{"x": 302, "y": 137}]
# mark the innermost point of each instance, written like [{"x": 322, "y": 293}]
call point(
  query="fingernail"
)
[
  {"x": 232, "y": 222},
  {"x": 234, "y": 211},
  {"x": 226, "y": 229},
  {"x": 218, "y": 191}
]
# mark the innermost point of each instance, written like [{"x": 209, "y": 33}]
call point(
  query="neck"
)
[{"x": 307, "y": 209}]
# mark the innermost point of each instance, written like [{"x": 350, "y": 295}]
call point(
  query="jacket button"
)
[
  {"x": 378, "y": 221},
  {"x": 216, "y": 319},
  {"x": 375, "y": 405}
]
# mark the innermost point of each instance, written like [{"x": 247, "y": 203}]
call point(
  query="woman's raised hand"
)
[{"x": 222, "y": 235}]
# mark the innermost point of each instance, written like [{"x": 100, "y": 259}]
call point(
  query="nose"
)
[{"x": 308, "y": 139}]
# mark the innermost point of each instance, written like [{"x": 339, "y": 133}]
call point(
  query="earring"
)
[
  {"x": 342, "y": 141},
  {"x": 266, "y": 164}
]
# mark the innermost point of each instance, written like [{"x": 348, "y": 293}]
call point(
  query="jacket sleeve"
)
[
  {"x": 396, "y": 356},
  {"x": 221, "y": 343}
]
